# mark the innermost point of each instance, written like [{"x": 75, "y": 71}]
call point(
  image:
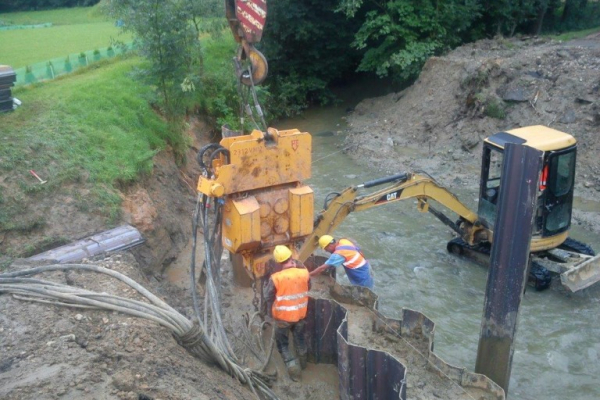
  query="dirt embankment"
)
[{"x": 438, "y": 124}]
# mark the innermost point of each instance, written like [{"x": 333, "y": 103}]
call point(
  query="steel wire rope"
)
[
  {"x": 332, "y": 153},
  {"x": 43, "y": 292},
  {"x": 245, "y": 107},
  {"x": 261, "y": 338},
  {"x": 271, "y": 343},
  {"x": 255, "y": 99},
  {"x": 159, "y": 312},
  {"x": 213, "y": 269},
  {"x": 211, "y": 266},
  {"x": 217, "y": 325}
]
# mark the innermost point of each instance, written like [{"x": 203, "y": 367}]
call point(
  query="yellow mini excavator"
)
[
  {"x": 553, "y": 251},
  {"x": 258, "y": 179}
]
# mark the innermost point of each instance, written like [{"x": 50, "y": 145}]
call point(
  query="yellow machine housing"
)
[
  {"x": 550, "y": 142},
  {"x": 266, "y": 203}
]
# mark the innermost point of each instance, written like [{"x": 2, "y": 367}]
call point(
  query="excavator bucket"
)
[{"x": 583, "y": 275}]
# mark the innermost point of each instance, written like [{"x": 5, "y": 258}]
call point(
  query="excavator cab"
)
[{"x": 556, "y": 182}]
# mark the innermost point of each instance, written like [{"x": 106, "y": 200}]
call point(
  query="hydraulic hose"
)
[{"x": 191, "y": 336}]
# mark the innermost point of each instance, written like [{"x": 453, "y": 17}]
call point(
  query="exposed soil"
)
[
  {"x": 437, "y": 125},
  {"x": 49, "y": 352}
]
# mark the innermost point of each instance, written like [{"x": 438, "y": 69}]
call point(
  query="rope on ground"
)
[{"x": 191, "y": 336}]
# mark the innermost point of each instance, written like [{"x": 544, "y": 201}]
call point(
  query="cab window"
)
[{"x": 562, "y": 170}]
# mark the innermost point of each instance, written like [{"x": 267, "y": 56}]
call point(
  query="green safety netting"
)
[
  {"x": 11, "y": 27},
  {"x": 63, "y": 65}
]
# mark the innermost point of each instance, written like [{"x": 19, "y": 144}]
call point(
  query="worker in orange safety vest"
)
[
  {"x": 286, "y": 295},
  {"x": 344, "y": 252}
]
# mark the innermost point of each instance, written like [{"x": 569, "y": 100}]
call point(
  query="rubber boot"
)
[
  {"x": 300, "y": 342},
  {"x": 302, "y": 358},
  {"x": 294, "y": 370}
]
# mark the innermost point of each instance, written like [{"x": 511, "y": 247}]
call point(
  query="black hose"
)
[
  {"x": 328, "y": 198},
  {"x": 202, "y": 151},
  {"x": 217, "y": 152}
]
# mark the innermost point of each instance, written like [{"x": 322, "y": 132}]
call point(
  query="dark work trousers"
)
[{"x": 282, "y": 332}]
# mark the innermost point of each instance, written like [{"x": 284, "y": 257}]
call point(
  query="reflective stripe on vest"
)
[
  {"x": 291, "y": 301},
  {"x": 351, "y": 253}
]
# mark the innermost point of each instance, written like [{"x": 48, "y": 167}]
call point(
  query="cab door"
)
[
  {"x": 557, "y": 195},
  {"x": 489, "y": 190}
]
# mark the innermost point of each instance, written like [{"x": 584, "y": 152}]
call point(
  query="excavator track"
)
[
  {"x": 577, "y": 247},
  {"x": 539, "y": 277}
]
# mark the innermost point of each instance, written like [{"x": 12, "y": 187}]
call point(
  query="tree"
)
[
  {"x": 308, "y": 46},
  {"x": 400, "y": 35},
  {"x": 166, "y": 38}
]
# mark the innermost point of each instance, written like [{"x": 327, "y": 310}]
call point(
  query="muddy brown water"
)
[{"x": 558, "y": 336}]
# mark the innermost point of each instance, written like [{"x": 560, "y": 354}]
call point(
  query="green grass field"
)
[
  {"x": 74, "y": 30},
  {"x": 63, "y": 16},
  {"x": 94, "y": 128}
]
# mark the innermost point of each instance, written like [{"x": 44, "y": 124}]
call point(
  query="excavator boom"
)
[
  {"x": 577, "y": 266},
  {"x": 404, "y": 186}
]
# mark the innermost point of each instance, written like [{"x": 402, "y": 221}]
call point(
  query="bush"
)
[{"x": 495, "y": 109}]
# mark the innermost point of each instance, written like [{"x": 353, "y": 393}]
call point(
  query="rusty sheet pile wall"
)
[{"x": 368, "y": 373}]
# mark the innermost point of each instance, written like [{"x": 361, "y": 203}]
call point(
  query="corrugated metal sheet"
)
[
  {"x": 373, "y": 374},
  {"x": 368, "y": 374}
]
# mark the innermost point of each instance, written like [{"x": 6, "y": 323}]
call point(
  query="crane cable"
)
[
  {"x": 211, "y": 267},
  {"x": 245, "y": 92}
]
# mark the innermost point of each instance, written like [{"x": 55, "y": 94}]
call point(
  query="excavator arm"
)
[{"x": 404, "y": 186}]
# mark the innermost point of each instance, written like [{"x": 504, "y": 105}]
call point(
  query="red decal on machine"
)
[
  {"x": 252, "y": 15},
  {"x": 295, "y": 144}
]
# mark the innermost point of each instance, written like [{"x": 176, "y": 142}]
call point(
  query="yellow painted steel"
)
[
  {"x": 542, "y": 138},
  {"x": 260, "y": 178},
  {"x": 545, "y": 243},
  {"x": 241, "y": 224},
  {"x": 266, "y": 204},
  {"x": 302, "y": 201},
  {"x": 259, "y": 161},
  {"x": 421, "y": 187}
]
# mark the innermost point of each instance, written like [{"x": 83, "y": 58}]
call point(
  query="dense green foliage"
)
[
  {"x": 218, "y": 95},
  {"x": 94, "y": 128},
  {"x": 307, "y": 45},
  {"x": 310, "y": 47},
  {"x": 164, "y": 36},
  {"x": 399, "y": 36},
  {"x": 169, "y": 34}
]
